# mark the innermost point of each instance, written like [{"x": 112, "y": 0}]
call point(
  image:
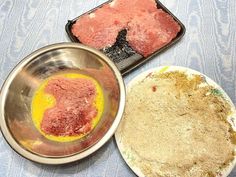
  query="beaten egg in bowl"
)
[{"x": 66, "y": 107}]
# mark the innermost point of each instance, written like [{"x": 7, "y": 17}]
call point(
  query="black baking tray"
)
[{"x": 125, "y": 58}]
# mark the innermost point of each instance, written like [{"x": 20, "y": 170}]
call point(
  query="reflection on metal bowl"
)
[{"x": 18, "y": 90}]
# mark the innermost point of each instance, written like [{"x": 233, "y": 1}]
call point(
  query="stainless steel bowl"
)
[{"x": 16, "y": 96}]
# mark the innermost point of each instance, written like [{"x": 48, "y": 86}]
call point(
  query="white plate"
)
[{"x": 127, "y": 154}]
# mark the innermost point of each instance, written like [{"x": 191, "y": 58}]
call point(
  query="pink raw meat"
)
[
  {"x": 97, "y": 31},
  {"x": 159, "y": 30},
  {"x": 74, "y": 107},
  {"x": 129, "y": 9},
  {"x": 148, "y": 28}
]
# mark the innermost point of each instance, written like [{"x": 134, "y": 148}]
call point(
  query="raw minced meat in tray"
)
[{"x": 129, "y": 32}]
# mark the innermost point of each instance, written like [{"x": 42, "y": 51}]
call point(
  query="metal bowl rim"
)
[{"x": 67, "y": 159}]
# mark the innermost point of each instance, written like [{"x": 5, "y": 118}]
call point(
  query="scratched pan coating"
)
[{"x": 124, "y": 57}]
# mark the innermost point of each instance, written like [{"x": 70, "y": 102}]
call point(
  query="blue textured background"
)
[{"x": 209, "y": 46}]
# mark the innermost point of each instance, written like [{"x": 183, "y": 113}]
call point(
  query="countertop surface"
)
[{"x": 208, "y": 46}]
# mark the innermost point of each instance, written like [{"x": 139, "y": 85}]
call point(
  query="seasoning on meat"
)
[
  {"x": 158, "y": 30},
  {"x": 67, "y": 106},
  {"x": 74, "y": 107},
  {"x": 97, "y": 31},
  {"x": 148, "y": 28}
]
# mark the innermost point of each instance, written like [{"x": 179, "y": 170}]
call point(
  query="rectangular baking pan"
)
[{"x": 125, "y": 58}]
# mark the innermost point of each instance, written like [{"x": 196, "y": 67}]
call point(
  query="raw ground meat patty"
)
[
  {"x": 74, "y": 107},
  {"x": 157, "y": 32},
  {"x": 148, "y": 28},
  {"x": 97, "y": 31}
]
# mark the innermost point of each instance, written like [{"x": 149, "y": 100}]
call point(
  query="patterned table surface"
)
[{"x": 208, "y": 46}]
